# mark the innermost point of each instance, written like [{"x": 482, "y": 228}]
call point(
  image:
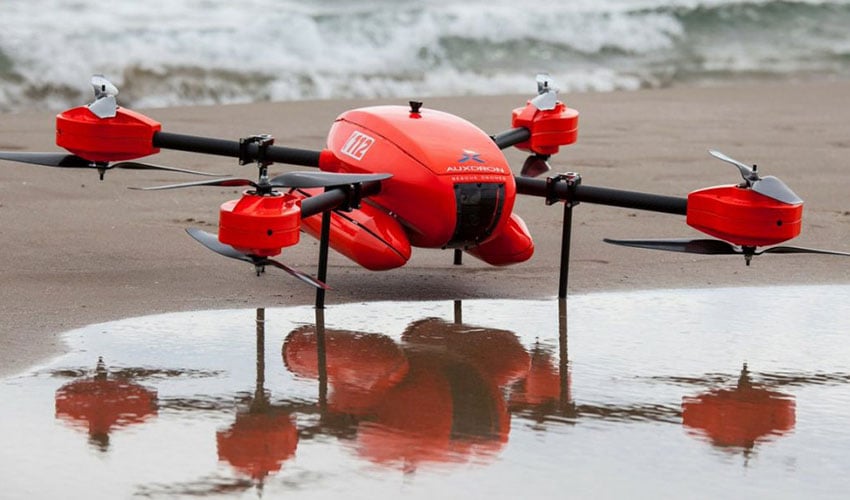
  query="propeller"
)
[
  {"x": 286, "y": 180},
  {"x": 211, "y": 242},
  {"x": 135, "y": 165},
  {"x": 264, "y": 189},
  {"x": 715, "y": 247},
  {"x": 769, "y": 186},
  {"x": 104, "y": 105},
  {"x": 65, "y": 160},
  {"x": 547, "y": 93}
]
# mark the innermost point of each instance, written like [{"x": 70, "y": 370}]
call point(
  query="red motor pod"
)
[
  {"x": 126, "y": 136},
  {"x": 743, "y": 217},
  {"x": 549, "y": 128},
  {"x": 260, "y": 225}
]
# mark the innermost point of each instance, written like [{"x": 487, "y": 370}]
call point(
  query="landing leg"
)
[
  {"x": 572, "y": 179},
  {"x": 565, "y": 249},
  {"x": 458, "y": 256},
  {"x": 324, "y": 242}
]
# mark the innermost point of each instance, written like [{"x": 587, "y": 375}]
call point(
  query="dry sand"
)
[{"x": 77, "y": 251}]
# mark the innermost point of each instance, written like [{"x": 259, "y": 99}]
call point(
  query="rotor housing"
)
[
  {"x": 743, "y": 217},
  {"x": 260, "y": 225},
  {"x": 126, "y": 136},
  {"x": 548, "y": 128}
]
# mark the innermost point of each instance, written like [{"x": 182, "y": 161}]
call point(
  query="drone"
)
[{"x": 394, "y": 177}]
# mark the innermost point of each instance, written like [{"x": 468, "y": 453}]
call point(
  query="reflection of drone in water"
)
[
  {"x": 739, "y": 417},
  {"x": 103, "y": 403},
  {"x": 396, "y": 177},
  {"x": 444, "y": 392}
]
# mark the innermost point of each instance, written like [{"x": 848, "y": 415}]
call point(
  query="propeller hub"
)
[
  {"x": 768, "y": 186},
  {"x": 104, "y": 105},
  {"x": 547, "y": 93}
]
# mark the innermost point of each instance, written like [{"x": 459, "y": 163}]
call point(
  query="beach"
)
[{"x": 77, "y": 251}]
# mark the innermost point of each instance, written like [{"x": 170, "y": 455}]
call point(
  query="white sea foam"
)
[{"x": 166, "y": 52}]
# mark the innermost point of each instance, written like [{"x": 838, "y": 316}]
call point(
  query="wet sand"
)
[{"x": 77, "y": 251}]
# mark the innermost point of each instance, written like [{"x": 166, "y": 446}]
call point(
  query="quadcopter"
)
[{"x": 395, "y": 177}]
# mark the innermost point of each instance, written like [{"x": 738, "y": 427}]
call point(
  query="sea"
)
[{"x": 187, "y": 52}]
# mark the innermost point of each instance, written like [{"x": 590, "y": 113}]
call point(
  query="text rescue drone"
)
[{"x": 395, "y": 177}]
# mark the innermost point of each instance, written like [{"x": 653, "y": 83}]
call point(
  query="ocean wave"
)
[{"x": 173, "y": 52}]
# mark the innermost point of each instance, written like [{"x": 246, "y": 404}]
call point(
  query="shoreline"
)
[{"x": 79, "y": 251}]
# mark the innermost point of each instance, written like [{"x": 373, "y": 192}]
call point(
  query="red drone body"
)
[{"x": 451, "y": 187}]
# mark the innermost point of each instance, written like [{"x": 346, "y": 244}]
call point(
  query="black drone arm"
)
[
  {"x": 235, "y": 149},
  {"x": 568, "y": 188},
  {"x": 511, "y": 137},
  {"x": 338, "y": 197},
  {"x": 554, "y": 190}
]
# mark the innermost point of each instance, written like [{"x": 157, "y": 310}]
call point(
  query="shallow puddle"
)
[{"x": 738, "y": 392}]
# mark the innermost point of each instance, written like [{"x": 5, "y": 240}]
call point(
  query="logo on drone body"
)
[
  {"x": 357, "y": 145},
  {"x": 470, "y": 156},
  {"x": 472, "y": 163},
  {"x": 474, "y": 169}
]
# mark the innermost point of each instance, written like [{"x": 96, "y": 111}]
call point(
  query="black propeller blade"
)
[
  {"x": 135, "y": 165},
  {"x": 701, "y": 246},
  {"x": 211, "y": 241},
  {"x": 227, "y": 182},
  {"x": 715, "y": 247},
  {"x": 323, "y": 179},
  {"x": 64, "y": 160},
  {"x": 786, "y": 249},
  {"x": 287, "y": 180}
]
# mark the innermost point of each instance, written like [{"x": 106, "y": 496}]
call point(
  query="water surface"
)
[{"x": 737, "y": 392}]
